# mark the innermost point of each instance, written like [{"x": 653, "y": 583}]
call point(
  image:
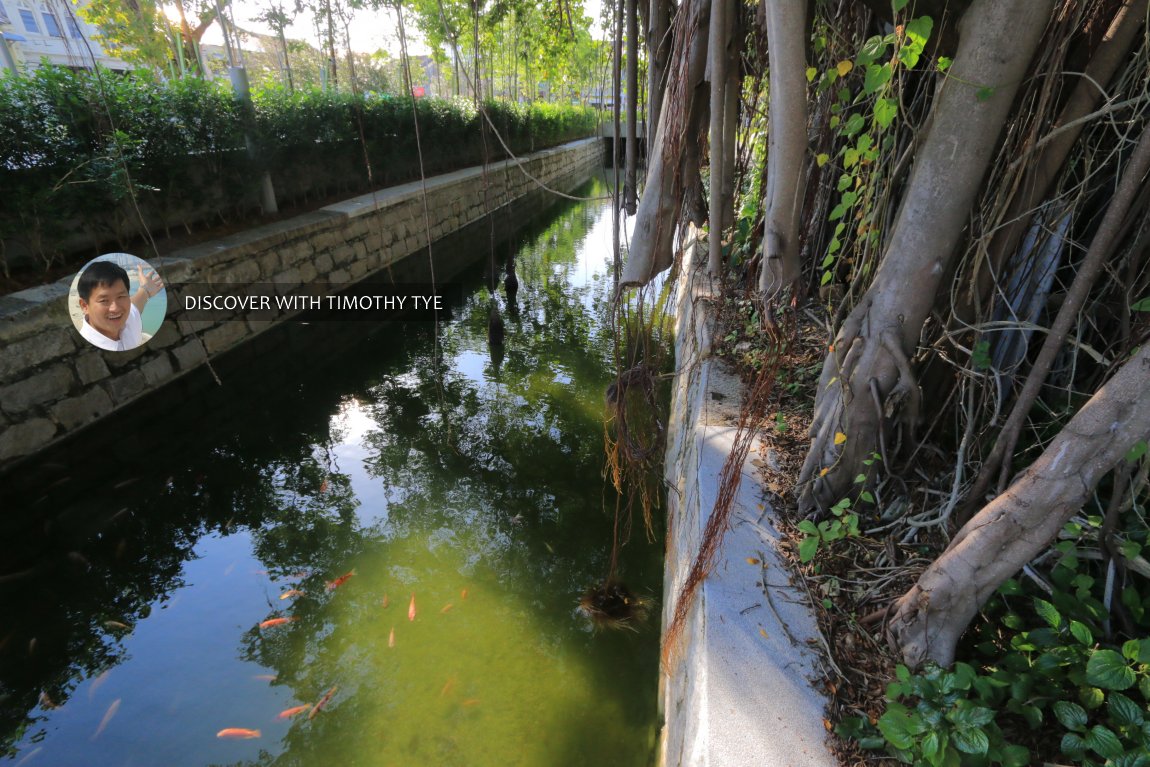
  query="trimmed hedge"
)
[{"x": 72, "y": 145}]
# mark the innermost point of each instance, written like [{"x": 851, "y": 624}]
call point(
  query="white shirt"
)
[{"x": 130, "y": 337}]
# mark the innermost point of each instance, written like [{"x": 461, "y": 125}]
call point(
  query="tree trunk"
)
[
  {"x": 869, "y": 368},
  {"x": 669, "y": 174},
  {"x": 658, "y": 51},
  {"x": 287, "y": 61},
  {"x": 717, "y": 52},
  {"x": 630, "y": 182},
  {"x": 1018, "y": 524},
  {"x": 733, "y": 88},
  {"x": 787, "y": 145}
]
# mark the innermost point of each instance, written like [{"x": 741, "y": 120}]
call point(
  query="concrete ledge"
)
[{"x": 741, "y": 689}]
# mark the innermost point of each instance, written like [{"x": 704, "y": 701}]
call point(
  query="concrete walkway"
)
[{"x": 741, "y": 690}]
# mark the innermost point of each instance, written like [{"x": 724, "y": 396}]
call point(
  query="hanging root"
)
[
  {"x": 750, "y": 417},
  {"x": 613, "y": 606}
]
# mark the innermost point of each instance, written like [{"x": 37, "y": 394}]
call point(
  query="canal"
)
[{"x": 364, "y": 546}]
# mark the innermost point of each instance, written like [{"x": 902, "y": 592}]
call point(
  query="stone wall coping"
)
[{"x": 741, "y": 689}]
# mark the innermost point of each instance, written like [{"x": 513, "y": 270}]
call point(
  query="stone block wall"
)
[{"x": 53, "y": 383}]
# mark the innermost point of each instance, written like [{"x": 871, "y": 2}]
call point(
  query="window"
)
[
  {"x": 51, "y": 25},
  {"x": 73, "y": 28},
  {"x": 29, "y": 22}
]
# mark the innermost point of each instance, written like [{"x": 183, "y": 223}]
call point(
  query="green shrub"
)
[
  {"x": 1044, "y": 672},
  {"x": 78, "y": 146}
]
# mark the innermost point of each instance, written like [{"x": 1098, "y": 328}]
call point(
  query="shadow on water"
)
[{"x": 396, "y": 451}]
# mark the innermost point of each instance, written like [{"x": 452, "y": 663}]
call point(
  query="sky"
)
[{"x": 371, "y": 30}]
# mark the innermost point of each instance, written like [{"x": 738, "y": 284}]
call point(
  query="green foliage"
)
[
  {"x": 864, "y": 111},
  {"x": 843, "y": 524},
  {"x": 79, "y": 145},
  {"x": 1043, "y": 671}
]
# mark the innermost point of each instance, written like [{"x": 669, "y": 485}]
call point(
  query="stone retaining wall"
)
[{"x": 53, "y": 383}]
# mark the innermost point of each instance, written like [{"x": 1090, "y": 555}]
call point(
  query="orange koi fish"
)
[
  {"x": 288, "y": 713},
  {"x": 323, "y": 486},
  {"x": 111, "y": 712},
  {"x": 448, "y": 686},
  {"x": 238, "y": 732},
  {"x": 264, "y": 677},
  {"x": 333, "y": 585},
  {"x": 471, "y": 702},
  {"x": 463, "y": 594},
  {"x": 391, "y": 638},
  {"x": 446, "y": 607},
  {"x": 386, "y": 602},
  {"x": 46, "y": 702},
  {"x": 322, "y": 702},
  {"x": 291, "y": 593},
  {"x": 272, "y": 622},
  {"x": 411, "y": 608}
]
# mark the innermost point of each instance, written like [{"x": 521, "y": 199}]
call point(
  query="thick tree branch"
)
[{"x": 1018, "y": 524}]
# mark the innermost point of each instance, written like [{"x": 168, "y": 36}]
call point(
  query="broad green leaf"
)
[
  {"x": 855, "y": 123},
  {"x": 1131, "y": 649},
  {"x": 885, "y": 110},
  {"x": 873, "y": 49},
  {"x": 811, "y": 72},
  {"x": 808, "y": 527},
  {"x": 1081, "y": 632},
  {"x": 822, "y": 159},
  {"x": 1141, "y": 306},
  {"x": 1091, "y": 697},
  {"x": 1137, "y": 451},
  {"x": 1131, "y": 760},
  {"x": 808, "y": 547},
  {"x": 970, "y": 740},
  {"x": 844, "y": 67},
  {"x": 931, "y": 745},
  {"x": 917, "y": 32},
  {"x": 1073, "y": 746},
  {"x": 964, "y": 675},
  {"x": 944, "y": 63},
  {"x": 898, "y": 5},
  {"x": 1109, "y": 670},
  {"x": 1104, "y": 742},
  {"x": 895, "y": 727},
  {"x": 1048, "y": 613},
  {"x": 1070, "y": 715},
  {"x": 984, "y": 93},
  {"x": 876, "y": 77},
  {"x": 1125, "y": 712}
]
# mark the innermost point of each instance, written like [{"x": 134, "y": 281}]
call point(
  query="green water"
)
[{"x": 147, "y": 555}]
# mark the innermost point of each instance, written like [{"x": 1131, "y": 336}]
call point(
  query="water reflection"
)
[{"x": 136, "y": 579}]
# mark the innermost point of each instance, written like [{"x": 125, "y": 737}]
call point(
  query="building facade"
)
[{"x": 33, "y": 32}]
